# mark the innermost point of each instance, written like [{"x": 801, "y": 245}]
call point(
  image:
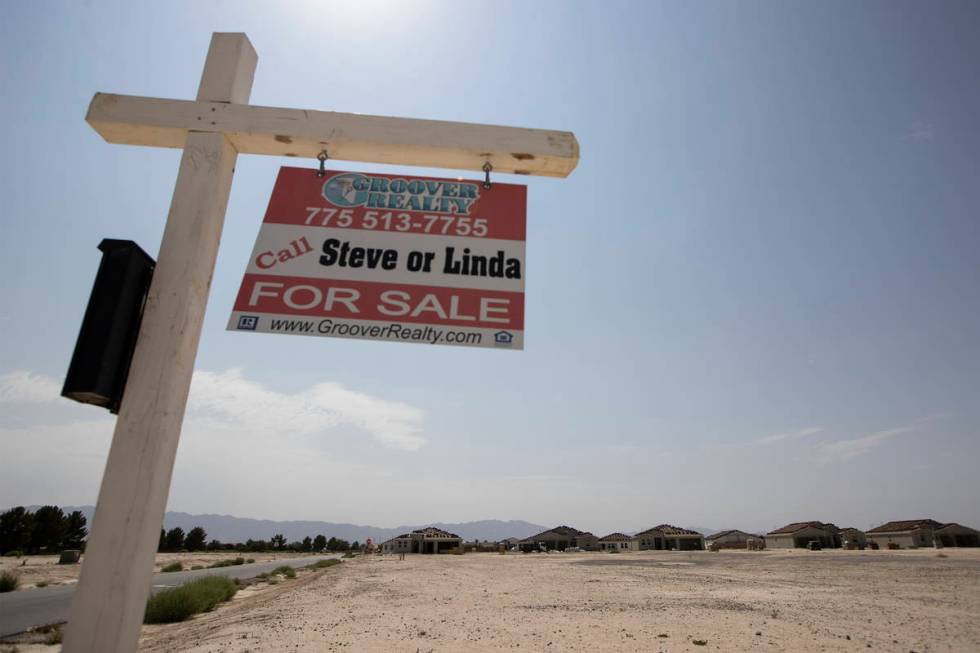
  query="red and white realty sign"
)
[{"x": 388, "y": 257}]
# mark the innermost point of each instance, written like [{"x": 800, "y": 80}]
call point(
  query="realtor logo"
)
[
  {"x": 503, "y": 339},
  {"x": 248, "y": 322}
]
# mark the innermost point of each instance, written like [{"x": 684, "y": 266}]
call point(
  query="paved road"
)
[{"x": 25, "y": 609}]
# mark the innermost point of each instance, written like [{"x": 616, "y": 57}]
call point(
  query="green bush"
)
[
  {"x": 173, "y": 566},
  {"x": 180, "y": 603},
  {"x": 284, "y": 570},
  {"x": 196, "y": 567},
  {"x": 9, "y": 581},
  {"x": 228, "y": 562},
  {"x": 250, "y": 560},
  {"x": 13, "y": 554},
  {"x": 321, "y": 564}
]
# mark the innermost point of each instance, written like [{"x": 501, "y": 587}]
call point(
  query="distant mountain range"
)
[{"x": 238, "y": 529}]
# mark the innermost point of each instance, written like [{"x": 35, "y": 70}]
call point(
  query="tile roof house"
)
[
  {"x": 732, "y": 539},
  {"x": 617, "y": 542},
  {"x": 668, "y": 537},
  {"x": 904, "y": 534},
  {"x": 956, "y": 535},
  {"x": 423, "y": 540},
  {"x": 798, "y": 534},
  {"x": 560, "y": 538}
]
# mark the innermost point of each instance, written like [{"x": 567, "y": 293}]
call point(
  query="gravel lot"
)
[{"x": 649, "y": 601}]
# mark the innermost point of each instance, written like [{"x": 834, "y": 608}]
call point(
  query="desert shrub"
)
[
  {"x": 13, "y": 554},
  {"x": 42, "y": 583},
  {"x": 348, "y": 555},
  {"x": 250, "y": 560},
  {"x": 321, "y": 564},
  {"x": 9, "y": 581},
  {"x": 941, "y": 555},
  {"x": 173, "y": 566},
  {"x": 197, "y": 596},
  {"x": 54, "y": 637},
  {"x": 196, "y": 567},
  {"x": 284, "y": 570},
  {"x": 228, "y": 562}
]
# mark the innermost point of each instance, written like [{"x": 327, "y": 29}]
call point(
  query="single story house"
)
[
  {"x": 732, "y": 539},
  {"x": 798, "y": 534},
  {"x": 510, "y": 542},
  {"x": 956, "y": 535},
  {"x": 560, "y": 538},
  {"x": 669, "y": 538},
  {"x": 617, "y": 542},
  {"x": 681, "y": 539},
  {"x": 904, "y": 534},
  {"x": 424, "y": 540},
  {"x": 852, "y": 538},
  {"x": 649, "y": 540}
]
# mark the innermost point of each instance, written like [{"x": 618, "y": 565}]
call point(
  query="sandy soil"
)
[
  {"x": 45, "y": 569},
  {"x": 649, "y": 601}
]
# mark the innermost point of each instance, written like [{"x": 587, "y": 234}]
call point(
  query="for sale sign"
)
[{"x": 388, "y": 257}]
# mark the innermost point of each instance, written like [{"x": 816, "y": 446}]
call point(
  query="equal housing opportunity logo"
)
[{"x": 352, "y": 189}]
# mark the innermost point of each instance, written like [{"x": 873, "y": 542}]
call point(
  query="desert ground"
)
[
  {"x": 46, "y": 570},
  {"x": 922, "y": 600}
]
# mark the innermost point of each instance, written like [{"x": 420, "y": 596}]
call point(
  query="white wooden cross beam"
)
[{"x": 108, "y": 605}]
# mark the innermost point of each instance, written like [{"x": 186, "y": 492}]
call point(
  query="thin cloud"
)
[
  {"x": 844, "y": 450},
  {"x": 935, "y": 417},
  {"x": 921, "y": 131},
  {"x": 239, "y": 439},
  {"x": 230, "y": 397},
  {"x": 790, "y": 435},
  {"x": 27, "y": 388}
]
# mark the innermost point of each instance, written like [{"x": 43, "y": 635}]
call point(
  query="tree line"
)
[
  {"x": 46, "y": 530},
  {"x": 197, "y": 540},
  {"x": 50, "y": 530}
]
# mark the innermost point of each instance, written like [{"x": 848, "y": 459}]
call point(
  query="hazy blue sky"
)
[{"x": 757, "y": 299}]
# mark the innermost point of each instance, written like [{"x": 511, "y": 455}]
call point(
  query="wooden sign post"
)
[{"x": 108, "y": 605}]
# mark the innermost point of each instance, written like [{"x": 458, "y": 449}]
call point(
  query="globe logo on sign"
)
[{"x": 349, "y": 189}]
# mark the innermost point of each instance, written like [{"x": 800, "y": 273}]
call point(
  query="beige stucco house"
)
[
  {"x": 668, "y": 538},
  {"x": 424, "y": 540},
  {"x": 617, "y": 542},
  {"x": 909, "y": 533},
  {"x": 649, "y": 540},
  {"x": 559, "y": 539},
  {"x": 799, "y": 534},
  {"x": 732, "y": 539}
]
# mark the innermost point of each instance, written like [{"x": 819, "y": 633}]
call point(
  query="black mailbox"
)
[{"x": 104, "y": 349}]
